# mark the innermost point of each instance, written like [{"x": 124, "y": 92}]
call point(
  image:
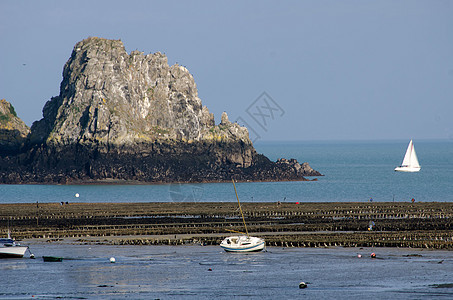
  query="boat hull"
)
[
  {"x": 256, "y": 248},
  {"x": 243, "y": 244},
  {"x": 407, "y": 169},
  {"x": 52, "y": 258},
  {"x": 13, "y": 252}
]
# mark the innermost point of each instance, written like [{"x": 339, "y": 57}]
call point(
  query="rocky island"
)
[
  {"x": 124, "y": 117},
  {"x": 13, "y": 131}
]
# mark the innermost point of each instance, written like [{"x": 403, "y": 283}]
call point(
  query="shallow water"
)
[{"x": 173, "y": 272}]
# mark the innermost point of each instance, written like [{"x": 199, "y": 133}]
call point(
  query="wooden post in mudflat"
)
[{"x": 37, "y": 213}]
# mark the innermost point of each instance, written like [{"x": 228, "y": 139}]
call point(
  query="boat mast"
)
[
  {"x": 243, "y": 219},
  {"x": 9, "y": 231}
]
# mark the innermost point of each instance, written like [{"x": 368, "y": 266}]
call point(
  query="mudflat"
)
[{"x": 351, "y": 224}]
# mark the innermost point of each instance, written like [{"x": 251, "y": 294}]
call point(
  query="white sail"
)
[
  {"x": 414, "y": 161},
  {"x": 410, "y": 161},
  {"x": 407, "y": 156}
]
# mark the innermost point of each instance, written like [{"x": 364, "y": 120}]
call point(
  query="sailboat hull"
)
[
  {"x": 13, "y": 252},
  {"x": 407, "y": 169},
  {"x": 256, "y": 248},
  {"x": 242, "y": 244}
]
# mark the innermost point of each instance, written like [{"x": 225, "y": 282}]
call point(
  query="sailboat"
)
[
  {"x": 410, "y": 161},
  {"x": 9, "y": 248},
  {"x": 242, "y": 243}
]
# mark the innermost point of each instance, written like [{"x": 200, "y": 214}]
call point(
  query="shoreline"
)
[{"x": 138, "y": 182}]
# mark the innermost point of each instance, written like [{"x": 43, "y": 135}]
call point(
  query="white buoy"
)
[
  {"x": 112, "y": 260},
  {"x": 359, "y": 255},
  {"x": 77, "y": 195},
  {"x": 303, "y": 285}
]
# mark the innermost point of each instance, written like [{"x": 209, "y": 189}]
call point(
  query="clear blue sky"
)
[{"x": 338, "y": 70}]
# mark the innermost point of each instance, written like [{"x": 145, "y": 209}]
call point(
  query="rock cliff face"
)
[
  {"x": 13, "y": 131},
  {"x": 132, "y": 116},
  {"x": 108, "y": 97}
]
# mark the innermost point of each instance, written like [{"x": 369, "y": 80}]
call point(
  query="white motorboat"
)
[
  {"x": 410, "y": 161},
  {"x": 9, "y": 248},
  {"x": 242, "y": 243}
]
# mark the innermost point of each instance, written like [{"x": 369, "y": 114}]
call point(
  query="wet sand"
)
[{"x": 415, "y": 225}]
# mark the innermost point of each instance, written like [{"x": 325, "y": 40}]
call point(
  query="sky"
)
[{"x": 288, "y": 70}]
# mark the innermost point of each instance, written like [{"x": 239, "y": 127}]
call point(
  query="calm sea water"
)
[
  {"x": 196, "y": 272},
  {"x": 354, "y": 171}
]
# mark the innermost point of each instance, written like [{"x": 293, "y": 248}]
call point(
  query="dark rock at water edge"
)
[
  {"x": 132, "y": 117},
  {"x": 195, "y": 163}
]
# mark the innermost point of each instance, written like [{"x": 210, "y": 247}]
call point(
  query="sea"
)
[{"x": 353, "y": 171}]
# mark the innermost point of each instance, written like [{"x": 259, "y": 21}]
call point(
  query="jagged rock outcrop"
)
[
  {"x": 13, "y": 130},
  {"x": 132, "y": 116},
  {"x": 109, "y": 97}
]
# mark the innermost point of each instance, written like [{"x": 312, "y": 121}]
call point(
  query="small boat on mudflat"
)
[
  {"x": 242, "y": 243},
  {"x": 52, "y": 258},
  {"x": 10, "y": 249}
]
